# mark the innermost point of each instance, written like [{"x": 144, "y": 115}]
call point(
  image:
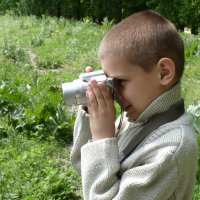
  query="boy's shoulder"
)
[{"x": 174, "y": 132}]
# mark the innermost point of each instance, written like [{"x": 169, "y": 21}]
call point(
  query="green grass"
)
[
  {"x": 55, "y": 42},
  {"x": 191, "y": 81},
  {"x": 36, "y": 56},
  {"x": 36, "y": 170}
]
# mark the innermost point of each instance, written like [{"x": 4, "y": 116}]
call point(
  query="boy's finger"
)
[
  {"x": 98, "y": 93},
  {"x": 89, "y": 69},
  {"x": 92, "y": 99},
  {"x": 106, "y": 94}
]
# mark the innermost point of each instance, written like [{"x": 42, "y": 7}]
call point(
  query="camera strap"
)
[{"x": 153, "y": 123}]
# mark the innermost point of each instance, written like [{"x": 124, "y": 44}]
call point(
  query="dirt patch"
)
[{"x": 33, "y": 62}]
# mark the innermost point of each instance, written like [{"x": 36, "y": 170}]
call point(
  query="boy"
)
[{"x": 145, "y": 56}]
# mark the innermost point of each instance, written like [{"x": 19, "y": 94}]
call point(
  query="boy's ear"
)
[{"x": 166, "y": 69}]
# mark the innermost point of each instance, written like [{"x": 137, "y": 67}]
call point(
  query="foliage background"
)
[
  {"x": 37, "y": 54},
  {"x": 185, "y": 13}
]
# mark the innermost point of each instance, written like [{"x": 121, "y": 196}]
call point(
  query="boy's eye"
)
[{"x": 119, "y": 82}]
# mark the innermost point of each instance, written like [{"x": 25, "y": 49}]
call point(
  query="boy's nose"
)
[
  {"x": 123, "y": 101},
  {"x": 120, "y": 99}
]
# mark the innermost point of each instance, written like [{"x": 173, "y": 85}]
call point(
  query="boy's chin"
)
[{"x": 131, "y": 116}]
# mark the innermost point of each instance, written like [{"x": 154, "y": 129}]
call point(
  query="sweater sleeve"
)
[
  {"x": 152, "y": 177},
  {"x": 81, "y": 135}
]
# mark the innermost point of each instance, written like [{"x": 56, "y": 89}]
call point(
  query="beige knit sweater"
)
[{"x": 162, "y": 167}]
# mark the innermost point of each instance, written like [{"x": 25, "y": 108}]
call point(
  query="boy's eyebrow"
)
[{"x": 116, "y": 77}]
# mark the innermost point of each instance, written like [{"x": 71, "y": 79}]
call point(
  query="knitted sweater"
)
[{"x": 162, "y": 167}]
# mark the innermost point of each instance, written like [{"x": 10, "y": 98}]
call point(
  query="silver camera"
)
[{"x": 75, "y": 92}]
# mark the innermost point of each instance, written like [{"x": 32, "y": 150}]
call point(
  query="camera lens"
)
[{"x": 74, "y": 92}]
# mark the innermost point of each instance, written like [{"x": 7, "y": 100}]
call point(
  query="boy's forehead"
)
[
  {"x": 118, "y": 72},
  {"x": 110, "y": 62},
  {"x": 115, "y": 67},
  {"x": 112, "y": 69}
]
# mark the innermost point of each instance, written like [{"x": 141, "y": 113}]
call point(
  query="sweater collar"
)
[{"x": 160, "y": 104}]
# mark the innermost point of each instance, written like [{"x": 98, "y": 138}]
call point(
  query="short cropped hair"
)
[{"x": 143, "y": 39}]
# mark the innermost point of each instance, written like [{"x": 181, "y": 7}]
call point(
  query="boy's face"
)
[{"x": 137, "y": 88}]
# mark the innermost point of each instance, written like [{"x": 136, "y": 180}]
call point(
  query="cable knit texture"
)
[{"x": 162, "y": 167}]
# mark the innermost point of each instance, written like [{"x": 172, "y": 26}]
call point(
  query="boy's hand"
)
[
  {"x": 101, "y": 110},
  {"x": 89, "y": 69}
]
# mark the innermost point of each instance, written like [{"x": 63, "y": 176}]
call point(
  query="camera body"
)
[{"x": 75, "y": 92}]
